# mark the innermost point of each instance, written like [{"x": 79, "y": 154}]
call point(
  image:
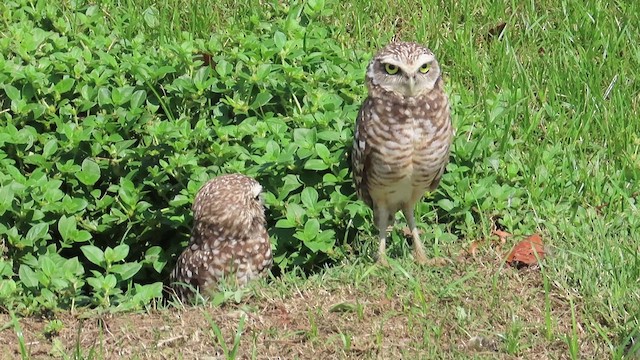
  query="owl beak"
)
[{"x": 412, "y": 85}]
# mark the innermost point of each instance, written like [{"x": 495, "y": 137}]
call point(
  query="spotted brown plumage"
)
[
  {"x": 228, "y": 240},
  {"x": 402, "y": 136}
]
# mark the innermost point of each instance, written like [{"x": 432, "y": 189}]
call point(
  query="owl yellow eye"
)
[
  {"x": 390, "y": 69},
  {"x": 425, "y": 68}
]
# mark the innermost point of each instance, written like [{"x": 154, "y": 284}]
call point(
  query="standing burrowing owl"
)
[
  {"x": 402, "y": 136},
  {"x": 229, "y": 239}
]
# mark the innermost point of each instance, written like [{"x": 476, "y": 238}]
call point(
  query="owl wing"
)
[
  {"x": 447, "y": 121},
  {"x": 436, "y": 180},
  {"x": 360, "y": 153},
  {"x": 185, "y": 277}
]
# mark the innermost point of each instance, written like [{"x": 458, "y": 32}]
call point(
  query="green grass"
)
[{"x": 547, "y": 141}]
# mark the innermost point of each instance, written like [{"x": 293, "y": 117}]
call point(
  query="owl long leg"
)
[
  {"x": 382, "y": 222},
  {"x": 418, "y": 247}
]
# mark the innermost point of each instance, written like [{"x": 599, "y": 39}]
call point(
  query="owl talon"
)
[
  {"x": 420, "y": 258},
  {"x": 382, "y": 261}
]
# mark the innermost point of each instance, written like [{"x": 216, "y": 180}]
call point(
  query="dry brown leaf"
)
[
  {"x": 496, "y": 31},
  {"x": 207, "y": 59},
  {"x": 502, "y": 235},
  {"x": 527, "y": 252},
  {"x": 468, "y": 253},
  {"x": 473, "y": 248}
]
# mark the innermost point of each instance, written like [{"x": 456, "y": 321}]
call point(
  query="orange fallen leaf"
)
[
  {"x": 471, "y": 252},
  {"x": 527, "y": 252},
  {"x": 473, "y": 248},
  {"x": 502, "y": 235}
]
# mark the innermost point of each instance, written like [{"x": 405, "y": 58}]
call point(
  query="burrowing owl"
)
[
  {"x": 402, "y": 136},
  {"x": 229, "y": 239}
]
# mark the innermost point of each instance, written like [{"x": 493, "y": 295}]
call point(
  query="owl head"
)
[
  {"x": 404, "y": 68},
  {"x": 231, "y": 203}
]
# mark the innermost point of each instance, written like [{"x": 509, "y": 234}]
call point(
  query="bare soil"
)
[{"x": 496, "y": 313}]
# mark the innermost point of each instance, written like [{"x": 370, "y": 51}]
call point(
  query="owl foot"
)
[
  {"x": 419, "y": 257},
  {"x": 382, "y": 260}
]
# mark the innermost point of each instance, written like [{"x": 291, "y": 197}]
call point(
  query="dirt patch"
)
[{"x": 464, "y": 310}]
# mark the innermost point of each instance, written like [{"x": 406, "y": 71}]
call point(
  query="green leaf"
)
[
  {"x": 153, "y": 253},
  {"x": 93, "y": 10},
  {"x": 109, "y": 282},
  {"x": 323, "y": 242},
  {"x": 223, "y": 68},
  {"x": 72, "y": 267},
  {"x": 304, "y": 136},
  {"x": 67, "y": 227},
  {"x": 95, "y": 283},
  {"x": 93, "y": 254},
  {"x": 12, "y": 92},
  {"x": 285, "y": 224},
  {"x": 120, "y": 252},
  {"x": 327, "y": 238},
  {"x": 323, "y": 152},
  {"x": 150, "y": 16},
  {"x": 309, "y": 197},
  {"x": 295, "y": 210},
  {"x": 6, "y": 268},
  {"x": 280, "y": 39},
  {"x": 74, "y": 205},
  {"x": 160, "y": 72},
  {"x": 28, "y": 277},
  {"x": 89, "y": 173},
  {"x": 126, "y": 271},
  {"x": 127, "y": 192},
  {"x": 154, "y": 256},
  {"x": 200, "y": 78},
  {"x": 121, "y": 95},
  {"x": 38, "y": 109},
  {"x": 261, "y": 100},
  {"x": 82, "y": 236},
  {"x": 108, "y": 255},
  {"x": 104, "y": 96},
  {"x": 50, "y": 148},
  {"x": 65, "y": 85},
  {"x": 311, "y": 229},
  {"x": 446, "y": 204},
  {"x": 47, "y": 265},
  {"x": 148, "y": 291},
  {"x": 7, "y": 288},
  {"x": 6, "y": 198},
  {"x": 38, "y": 232},
  {"x": 316, "y": 6},
  {"x": 138, "y": 98},
  {"x": 315, "y": 164}
]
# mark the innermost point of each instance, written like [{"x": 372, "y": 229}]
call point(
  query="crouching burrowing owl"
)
[
  {"x": 402, "y": 136},
  {"x": 228, "y": 240}
]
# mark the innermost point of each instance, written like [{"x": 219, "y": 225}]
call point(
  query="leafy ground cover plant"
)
[{"x": 105, "y": 141}]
